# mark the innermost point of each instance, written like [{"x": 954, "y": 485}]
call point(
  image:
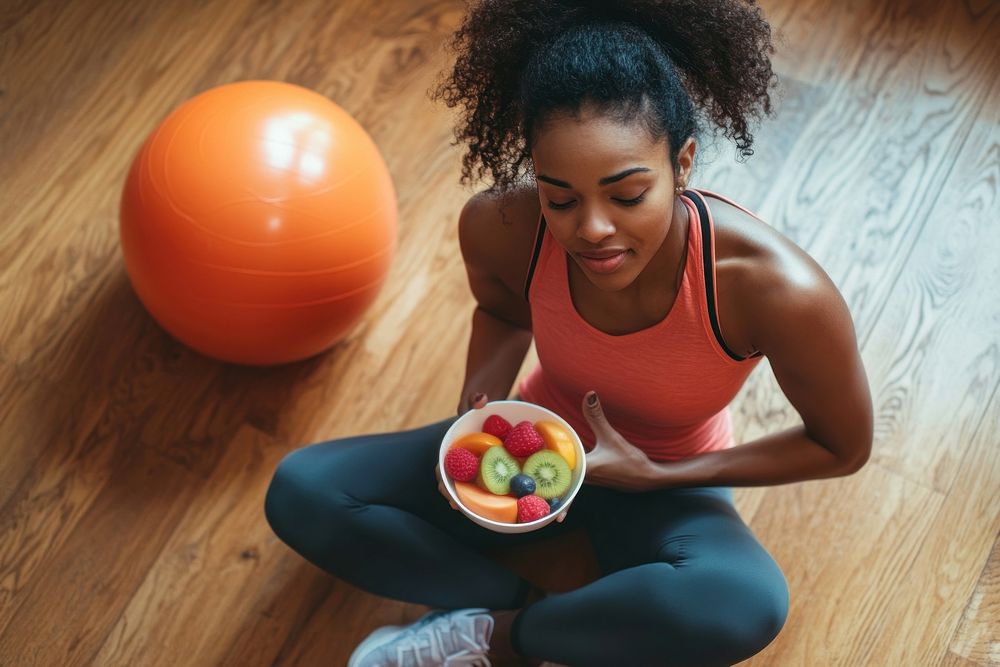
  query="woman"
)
[{"x": 652, "y": 300}]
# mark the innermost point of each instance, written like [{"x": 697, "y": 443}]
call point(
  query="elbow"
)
[
  {"x": 859, "y": 459},
  {"x": 856, "y": 455}
]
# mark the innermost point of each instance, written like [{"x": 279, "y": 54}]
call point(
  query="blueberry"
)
[
  {"x": 554, "y": 503},
  {"x": 522, "y": 485}
]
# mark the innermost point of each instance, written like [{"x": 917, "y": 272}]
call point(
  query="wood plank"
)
[
  {"x": 101, "y": 561},
  {"x": 946, "y": 564},
  {"x": 113, "y": 533},
  {"x": 844, "y": 545},
  {"x": 219, "y": 550},
  {"x": 978, "y": 635},
  {"x": 748, "y": 182},
  {"x": 936, "y": 321},
  {"x": 13, "y": 13},
  {"x": 284, "y": 601},
  {"x": 952, "y": 660},
  {"x": 816, "y": 41},
  {"x": 25, "y": 404},
  {"x": 940, "y": 97},
  {"x": 340, "y": 623},
  {"x": 52, "y": 56},
  {"x": 71, "y": 503}
]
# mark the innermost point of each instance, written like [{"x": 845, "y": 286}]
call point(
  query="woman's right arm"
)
[
  {"x": 501, "y": 321},
  {"x": 496, "y": 352}
]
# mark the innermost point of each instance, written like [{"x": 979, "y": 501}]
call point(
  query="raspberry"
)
[
  {"x": 461, "y": 464},
  {"x": 530, "y": 508},
  {"x": 523, "y": 440},
  {"x": 496, "y": 425}
]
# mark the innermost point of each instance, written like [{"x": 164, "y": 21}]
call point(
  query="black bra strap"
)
[
  {"x": 707, "y": 240},
  {"x": 534, "y": 255}
]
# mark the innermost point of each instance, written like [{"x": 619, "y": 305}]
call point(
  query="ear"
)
[{"x": 685, "y": 161}]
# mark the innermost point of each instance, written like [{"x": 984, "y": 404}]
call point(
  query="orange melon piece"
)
[
  {"x": 477, "y": 443},
  {"x": 558, "y": 439},
  {"x": 487, "y": 505}
]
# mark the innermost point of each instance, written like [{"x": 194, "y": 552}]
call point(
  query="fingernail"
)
[
  {"x": 478, "y": 397},
  {"x": 592, "y": 399}
]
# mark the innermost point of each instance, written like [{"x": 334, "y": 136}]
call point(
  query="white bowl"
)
[{"x": 514, "y": 412}]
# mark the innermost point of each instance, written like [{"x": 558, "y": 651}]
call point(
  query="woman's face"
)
[{"x": 605, "y": 187}]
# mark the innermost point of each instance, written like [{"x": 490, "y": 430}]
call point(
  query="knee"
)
[
  {"x": 725, "y": 616},
  {"x": 752, "y": 611},
  {"x": 299, "y": 497},
  {"x": 285, "y": 494}
]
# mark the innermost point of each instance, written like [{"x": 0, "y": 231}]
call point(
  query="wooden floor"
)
[{"x": 133, "y": 470}]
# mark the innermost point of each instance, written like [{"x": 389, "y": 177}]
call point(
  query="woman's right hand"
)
[
  {"x": 475, "y": 400},
  {"x": 444, "y": 491}
]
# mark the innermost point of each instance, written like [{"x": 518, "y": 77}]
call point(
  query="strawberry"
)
[
  {"x": 461, "y": 464},
  {"x": 530, "y": 508},
  {"x": 496, "y": 425},
  {"x": 523, "y": 440}
]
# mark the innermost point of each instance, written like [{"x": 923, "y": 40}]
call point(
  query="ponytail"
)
[{"x": 663, "y": 63}]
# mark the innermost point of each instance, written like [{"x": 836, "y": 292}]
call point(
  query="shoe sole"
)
[
  {"x": 373, "y": 639},
  {"x": 382, "y": 634}
]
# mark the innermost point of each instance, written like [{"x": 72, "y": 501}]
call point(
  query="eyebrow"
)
[{"x": 604, "y": 181}]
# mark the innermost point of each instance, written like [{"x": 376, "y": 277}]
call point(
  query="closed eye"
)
[{"x": 559, "y": 206}]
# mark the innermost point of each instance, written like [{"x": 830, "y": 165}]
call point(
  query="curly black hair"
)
[{"x": 521, "y": 62}]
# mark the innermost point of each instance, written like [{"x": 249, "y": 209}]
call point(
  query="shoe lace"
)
[{"x": 444, "y": 643}]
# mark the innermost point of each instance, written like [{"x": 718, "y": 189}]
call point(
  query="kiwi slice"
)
[
  {"x": 496, "y": 469},
  {"x": 550, "y": 471}
]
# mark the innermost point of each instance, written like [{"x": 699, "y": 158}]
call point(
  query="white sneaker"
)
[{"x": 454, "y": 638}]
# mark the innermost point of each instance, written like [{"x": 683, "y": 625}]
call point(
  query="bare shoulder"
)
[
  {"x": 744, "y": 242},
  {"x": 498, "y": 236},
  {"x": 755, "y": 261},
  {"x": 786, "y": 306},
  {"x": 497, "y": 239}
]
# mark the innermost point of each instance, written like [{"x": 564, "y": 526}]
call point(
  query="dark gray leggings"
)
[{"x": 684, "y": 581}]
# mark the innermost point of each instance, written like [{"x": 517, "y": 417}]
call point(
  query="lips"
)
[
  {"x": 602, "y": 254},
  {"x": 605, "y": 265}
]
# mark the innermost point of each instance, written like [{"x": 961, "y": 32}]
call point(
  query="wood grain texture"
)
[
  {"x": 978, "y": 635},
  {"x": 952, "y": 660},
  {"x": 133, "y": 469},
  {"x": 201, "y": 561}
]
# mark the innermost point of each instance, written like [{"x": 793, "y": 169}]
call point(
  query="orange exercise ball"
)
[{"x": 258, "y": 222}]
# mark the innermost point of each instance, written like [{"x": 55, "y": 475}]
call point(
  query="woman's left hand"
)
[{"x": 614, "y": 461}]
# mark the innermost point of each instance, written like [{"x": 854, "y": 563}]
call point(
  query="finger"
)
[
  {"x": 444, "y": 492},
  {"x": 595, "y": 414},
  {"x": 480, "y": 400},
  {"x": 561, "y": 517}
]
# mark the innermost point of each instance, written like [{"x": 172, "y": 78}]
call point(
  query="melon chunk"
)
[
  {"x": 559, "y": 440},
  {"x": 487, "y": 505},
  {"x": 477, "y": 443}
]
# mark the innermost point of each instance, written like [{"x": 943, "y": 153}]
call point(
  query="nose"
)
[{"x": 594, "y": 228}]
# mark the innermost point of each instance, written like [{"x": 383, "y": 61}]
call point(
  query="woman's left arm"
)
[{"x": 803, "y": 326}]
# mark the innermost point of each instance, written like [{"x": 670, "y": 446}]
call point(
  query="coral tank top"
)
[{"x": 665, "y": 388}]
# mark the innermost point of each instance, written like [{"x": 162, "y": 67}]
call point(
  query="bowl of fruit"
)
[{"x": 512, "y": 466}]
